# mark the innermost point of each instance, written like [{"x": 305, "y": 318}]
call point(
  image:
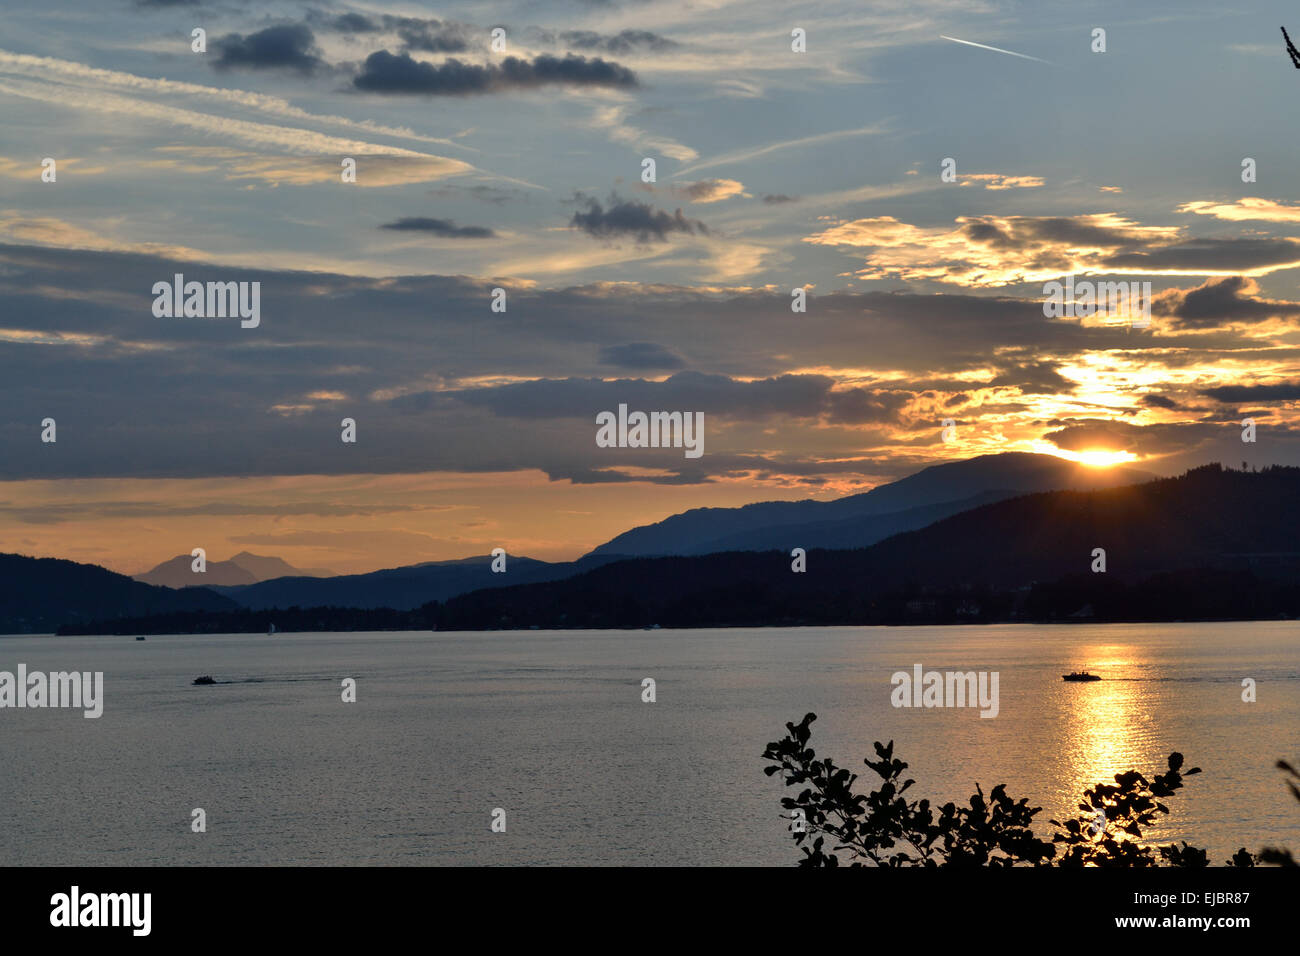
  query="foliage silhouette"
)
[{"x": 834, "y": 826}]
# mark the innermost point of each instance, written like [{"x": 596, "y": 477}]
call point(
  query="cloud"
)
[
  {"x": 281, "y": 138},
  {"x": 997, "y": 181},
  {"x": 707, "y": 190},
  {"x": 384, "y": 72},
  {"x": 625, "y": 41},
  {"x": 348, "y": 23},
  {"x": 236, "y": 164},
  {"x": 493, "y": 194},
  {"x": 784, "y": 396},
  {"x": 1003, "y": 250},
  {"x": 50, "y": 231},
  {"x": 783, "y": 407},
  {"x": 95, "y": 80},
  {"x": 433, "y": 36},
  {"x": 1113, "y": 436},
  {"x": 25, "y": 169},
  {"x": 416, "y": 33},
  {"x": 1233, "y": 299},
  {"x": 1209, "y": 257},
  {"x": 1239, "y": 394},
  {"x": 1246, "y": 209},
  {"x": 1158, "y": 401},
  {"x": 774, "y": 199},
  {"x": 444, "y": 228},
  {"x": 859, "y": 406},
  {"x": 288, "y": 46},
  {"x": 1042, "y": 377},
  {"x": 641, "y": 356},
  {"x": 625, "y": 217},
  {"x": 612, "y": 120}
]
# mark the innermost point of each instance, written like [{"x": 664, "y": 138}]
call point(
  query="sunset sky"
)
[{"x": 522, "y": 170}]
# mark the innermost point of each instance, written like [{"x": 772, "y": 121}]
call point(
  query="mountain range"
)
[
  {"x": 1211, "y": 544},
  {"x": 243, "y": 568},
  {"x": 863, "y": 519},
  {"x": 852, "y": 522},
  {"x": 40, "y": 595},
  {"x": 933, "y": 530},
  {"x": 403, "y": 588}
]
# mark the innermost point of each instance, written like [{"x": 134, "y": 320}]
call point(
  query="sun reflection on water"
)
[{"x": 1108, "y": 724}]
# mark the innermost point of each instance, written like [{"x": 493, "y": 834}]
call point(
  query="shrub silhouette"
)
[
  {"x": 1126, "y": 807},
  {"x": 886, "y": 828}
]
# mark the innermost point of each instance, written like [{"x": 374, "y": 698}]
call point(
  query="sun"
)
[
  {"x": 1092, "y": 457},
  {"x": 1100, "y": 457}
]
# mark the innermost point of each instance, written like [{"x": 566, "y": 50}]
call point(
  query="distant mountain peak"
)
[{"x": 243, "y": 568}]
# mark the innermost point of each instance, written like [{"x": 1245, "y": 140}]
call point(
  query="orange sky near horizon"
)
[{"x": 358, "y": 523}]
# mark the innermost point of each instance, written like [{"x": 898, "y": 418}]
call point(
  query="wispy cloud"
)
[
  {"x": 755, "y": 152},
  {"x": 285, "y": 138},
  {"x": 613, "y": 121},
  {"x": 52, "y": 69}
]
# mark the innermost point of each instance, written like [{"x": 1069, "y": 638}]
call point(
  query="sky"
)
[{"x": 921, "y": 171}]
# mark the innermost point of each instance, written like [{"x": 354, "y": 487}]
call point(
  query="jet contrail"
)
[{"x": 993, "y": 48}]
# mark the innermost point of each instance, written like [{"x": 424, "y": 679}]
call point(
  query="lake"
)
[{"x": 551, "y": 727}]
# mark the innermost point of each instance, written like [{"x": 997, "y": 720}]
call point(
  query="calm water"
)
[{"x": 550, "y": 726}]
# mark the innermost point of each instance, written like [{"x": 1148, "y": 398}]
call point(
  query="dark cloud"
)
[
  {"x": 1027, "y": 233},
  {"x": 269, "y": 400},
  {"x": 625, "y": 41},
  {"x": 861, "y": 406},
  {"x": 1145, "y": 441},
  {"x": 347, "y": 23},
  {"x": 1217, "y": 300},
  {"x": 433, "y": 36},
  {"x": 641, "y": 356},
  {"x": 626, "y": 217},
  {"x": 384, "y": 72},
  {"x": 1035, "y": 377},
  {"x": 439, "y": 227},
  {"x": 784, "y": 396},
  {"x": 773, "y": 199},
  {"x": 1114, "y": 436},
  {"x": 1235, "y": 394},
  {"x": 1077, "y": 233},
  {"x": 797, "y": 396},
  {"x": 290, "y": 46},
  {"x": 1158, "y": 401},
  {"x": 1209, "y": 255},
  {"x": 416, "y": 33},
  {"x": 1107, "y": 245}
]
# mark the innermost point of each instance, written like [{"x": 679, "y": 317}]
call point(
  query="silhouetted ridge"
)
[
  {"x": 39, "y": 595},
  {"x": 1213, "y": 544}
]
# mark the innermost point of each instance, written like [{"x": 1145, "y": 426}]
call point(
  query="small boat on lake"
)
[
  {"x": 1080, "y": 676},
  {"x": 270, "y": 631},
  {"x": 205, "y": 679},
  {"x": 140, "y": 637}
]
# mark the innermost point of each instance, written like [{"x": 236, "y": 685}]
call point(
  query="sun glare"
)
[
  {"x": 1103, "y": 457},
  {"x": 1094, "y": 457}
]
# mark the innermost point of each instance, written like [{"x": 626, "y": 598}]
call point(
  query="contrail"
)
[{"x": 994, "y": 49}]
